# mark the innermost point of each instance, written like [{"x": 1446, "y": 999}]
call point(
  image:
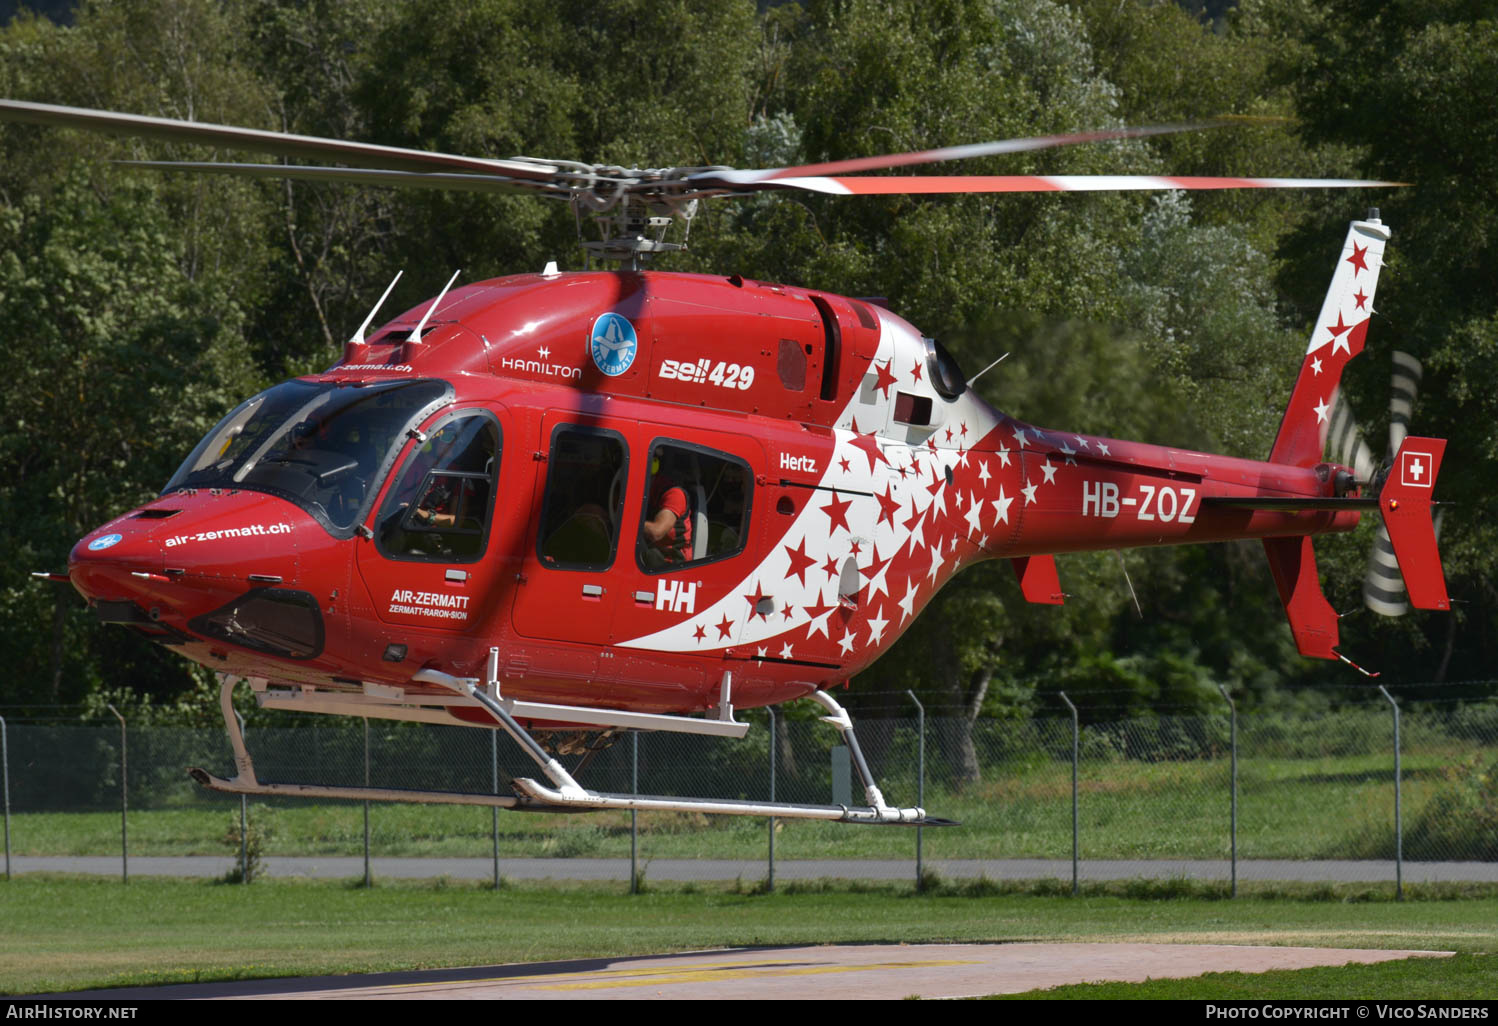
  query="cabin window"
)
[
  {"x": 791, "y": 363},
  {"x": 440, "y": 506},
  {"x": 696, "y": 507},
  {"x": 584, "y": 502},
  {"x": 912, "y": 409}
]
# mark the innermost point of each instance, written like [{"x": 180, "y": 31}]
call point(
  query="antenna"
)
[
  {"x": 985, "y": 370},
  {"x": 415, "y": 335},
  {"x": 358, "y": 337}
]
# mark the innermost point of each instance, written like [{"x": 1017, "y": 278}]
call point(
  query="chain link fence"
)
[{"x": 1188, "y": 796}]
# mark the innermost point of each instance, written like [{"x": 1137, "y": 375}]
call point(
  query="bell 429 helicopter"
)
[{"x": 631, "y": 500}]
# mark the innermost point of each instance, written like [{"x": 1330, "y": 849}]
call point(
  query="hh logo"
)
[
  {"x": 1414, "y": 469},
  {"x": 677, "y": 596}
]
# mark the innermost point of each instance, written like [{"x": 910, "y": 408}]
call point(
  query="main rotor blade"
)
[
  {"x": 932, "y": 184},
  {"x": 280, "y": 143},
  {"x": 359, "y": 176},
  {"x": 967, "y": 152}
]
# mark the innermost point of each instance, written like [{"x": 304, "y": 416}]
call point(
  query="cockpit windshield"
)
[{"x": 322, "y": 445}]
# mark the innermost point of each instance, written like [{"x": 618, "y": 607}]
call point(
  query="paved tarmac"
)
[
  {"x": 833, "y": 972},
  {"x": 751, "y": 870}
]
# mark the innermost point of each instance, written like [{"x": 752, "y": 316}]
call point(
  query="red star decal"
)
[
  {"x": 1357, "y": 260},
  {"x": 830, "y": 567},
  {"x": 915, "y": 372},
  {"x": 915, "y": 516},
  {"x": 844, "y": 464},
  {"x": 699, "y": 633},
  {"x": 872, "y": 570},
  {"x": 931, "y": 443},
  {"x": 820, "y": 609},
  {"x": 885, "y": 379},
  {"x": 936, "y": 482},
  {"x": 787, "y": 612},
  {"x": 837, "y": 513},
  {"x": 949, "y": 434},
  {"x": 964, "y": 430},
  {"x": 799, "y": 561},
  {"x": 1361, "y": 300},
  {"x": 1338, "y": 328},
  {"x": 855, "y": 549},
  {"x": 869, "y": 445},
  {"x": 754, "y": 602},
  {"x": 902, "y": 471},
  {"x": 888, "y": 507},
  {"x": 725, "y": 629}
]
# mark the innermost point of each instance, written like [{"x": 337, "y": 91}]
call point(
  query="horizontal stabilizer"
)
[{"x": 1405, "y": 503}]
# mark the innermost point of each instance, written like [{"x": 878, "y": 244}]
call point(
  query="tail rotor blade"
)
[
  {"x": 1404, "y": 383},
  {"x": 1383, "y": 584},
  {"x": 1344, "y": 441}
]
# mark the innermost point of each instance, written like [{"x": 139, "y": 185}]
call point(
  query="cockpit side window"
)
[{"x": 440, "y": 506}]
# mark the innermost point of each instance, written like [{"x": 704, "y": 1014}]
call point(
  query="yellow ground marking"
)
[{"x": 650, "y": 976}]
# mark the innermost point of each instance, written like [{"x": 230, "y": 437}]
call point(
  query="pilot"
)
[{"x": 666, "y": 533}]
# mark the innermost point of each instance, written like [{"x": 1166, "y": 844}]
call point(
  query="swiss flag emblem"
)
[{"x": 1414, "y": 469}]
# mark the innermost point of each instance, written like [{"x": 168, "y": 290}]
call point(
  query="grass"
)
[
  {"x": 1289, "y": 808},
  {"x": 67, "y": 933},
  {"x": 1460, "y": 978}
]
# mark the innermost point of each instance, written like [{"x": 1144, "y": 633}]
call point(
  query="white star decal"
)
[
  {"x": 1019, "y": 437},
  {"x": 1081, "y": 441},
  {"x": 907, "y": 604},
  {"x": 1321, "y": 412},
  {"x": 876, "y": 629},
  {"x": 974, "y": 511},
  {"x": 1068, "y": 450},
  {"x": 1315, "y": 365},
  {"x": 1049, "y": 471},
  {"x": 785, "y": 650},
  {"x": 846, "y": 642},
  {"x": 1341, "y": 343},
  {"x": 1103, "y": 448},
  {"x": 983, "y": 474},
  {"x": 1029, "y": 491},
  {"x": 1001, "y": 507},
  {"x": 1003, "y": 457},
  {"x": 936, "y": 560},
  {"x": 818, "y": 625}
]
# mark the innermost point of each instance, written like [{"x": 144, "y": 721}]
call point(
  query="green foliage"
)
[{"x": 247, "y": 842}]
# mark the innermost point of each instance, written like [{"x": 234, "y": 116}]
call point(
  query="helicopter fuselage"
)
[{"x": 833, "y": 467}]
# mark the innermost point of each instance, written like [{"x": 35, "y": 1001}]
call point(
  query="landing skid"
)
[{"x": 565, "y": 794}]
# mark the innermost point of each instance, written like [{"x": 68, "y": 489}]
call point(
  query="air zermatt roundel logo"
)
[{"x": 613, "y": 344}]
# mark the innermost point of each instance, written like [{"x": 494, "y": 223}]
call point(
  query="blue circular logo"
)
[
  {"x": 613, "y": 344},
  {"x": 104, "y": 542}
]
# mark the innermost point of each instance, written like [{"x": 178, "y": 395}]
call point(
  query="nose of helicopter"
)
[{"x": 186, "y": 555}]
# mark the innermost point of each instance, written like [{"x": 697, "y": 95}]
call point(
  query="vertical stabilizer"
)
[{"x": 1339, "y": 335}]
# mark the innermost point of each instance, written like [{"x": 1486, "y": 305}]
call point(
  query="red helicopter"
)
[{"x": 606, "y": 501}]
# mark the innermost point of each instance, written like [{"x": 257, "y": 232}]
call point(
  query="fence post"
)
[
  {"x": 1233, "y": 814},
  {"x": 920, "y": 786},
  {"x": 367, "y": 880},
  {"x": 774, "y": 742},
  {"x": 494, "y": 810},
  {"x": 1075, "y": 752},
  {"x": 244, "y": 822},
  {"x": 634, "y": 817},
  {"x": 1398, "y": 818},
  {"x": 5, "y": 765},
  {"x": 124, "y": 803}
]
